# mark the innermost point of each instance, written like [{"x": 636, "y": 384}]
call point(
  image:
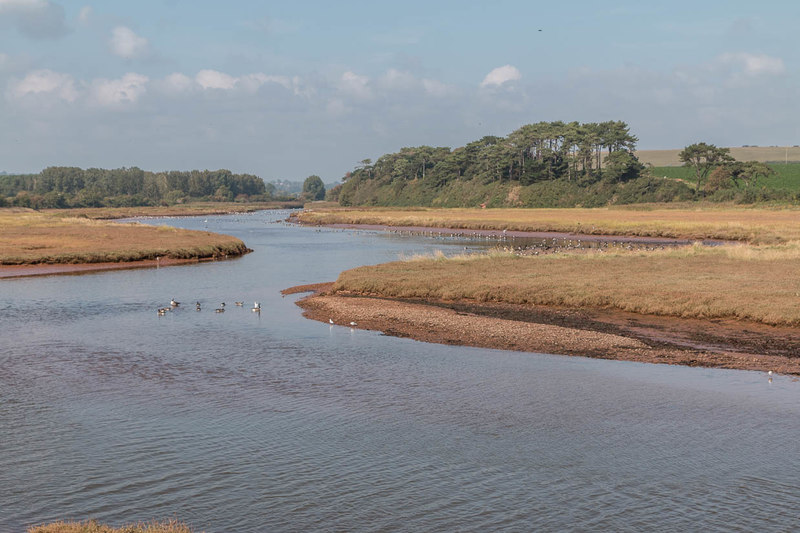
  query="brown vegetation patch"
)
[
  {"x": 743, "y": 283},
  {"x": 681, "y": 222},
  {"x": 31, "y": 237}
]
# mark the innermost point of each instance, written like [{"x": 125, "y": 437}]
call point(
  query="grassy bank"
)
[
  {"x": 758, "y": 284},
  {"x": 691, "y": 222},
  {"x": 91, "y": 526},
  {"x": 63, "y": 236}
]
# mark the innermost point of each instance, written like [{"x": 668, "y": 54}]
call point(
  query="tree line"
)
[
  {"x": 60, "y": 187},
  {"x": 547, "y": 164},
  {"x": 574, "y": 152}
]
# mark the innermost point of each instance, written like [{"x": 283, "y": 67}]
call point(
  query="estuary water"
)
[{"x": 248, "y": 422}]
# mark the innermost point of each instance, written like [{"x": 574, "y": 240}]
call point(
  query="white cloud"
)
[
  {"x": 45, "y": 82},
  {"x": 176, "y": 83},
  {"x": 755, "y": 64},
  {"x": 395, "y": 79},
  {"x": 354, "y": 85},
  {"x": 126, "y": 44},
  {"x": 212, "y": 79},
  {"x": 209, "y": 79},
  {"x": 127, "y": 89},
  {"x": 435, "y": 88},
  {"x": 252, "y": 82},
  {"x": 501, "y": 75},
  {"x": 85, "y": 15},
  {"x": 40, "y": 19}
]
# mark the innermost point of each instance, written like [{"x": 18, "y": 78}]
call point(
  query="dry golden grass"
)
[
  {"x": 191, "y": 209},
  {"x": 759, "y": 284},
  {"x": 91, "y": 526},
  {"x": 669, "y": 158},
  {"x": 706, "y": 222},
  {"x": 29, "y": 237}
]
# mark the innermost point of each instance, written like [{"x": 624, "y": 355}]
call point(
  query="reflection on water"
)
[{"x": 243, "y": 421}]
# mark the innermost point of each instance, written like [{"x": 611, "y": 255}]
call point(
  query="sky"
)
[{"x": 285, "y": 89}]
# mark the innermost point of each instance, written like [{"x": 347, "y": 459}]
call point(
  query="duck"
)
[
  {"x": 256, "y": 307},
  {"x": 239, "y": 304},
  {"x": 173, "y": 303},
  {"x": 219, "y": 310}
]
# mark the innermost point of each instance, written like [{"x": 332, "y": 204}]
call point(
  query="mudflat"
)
[
  {"x": 40, "y": 269},
  {"x": 565, "y": 331}
]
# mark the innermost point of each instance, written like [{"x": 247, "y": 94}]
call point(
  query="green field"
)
[
  {"x": 764, "y": 154},
  {"x": 786, "y": 177}
]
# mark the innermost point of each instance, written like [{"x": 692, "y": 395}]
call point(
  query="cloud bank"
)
[{"x": 269, "y": 123}]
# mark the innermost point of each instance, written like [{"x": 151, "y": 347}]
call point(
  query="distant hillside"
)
[{"x": 764, "y": 154}]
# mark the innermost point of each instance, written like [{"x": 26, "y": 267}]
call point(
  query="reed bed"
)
[
  {"x": 758, "y": 284},
  {"x": 91, "y": 526},
  {"x": 752, "y": 225},
  {"x": 31, "y": 237}
]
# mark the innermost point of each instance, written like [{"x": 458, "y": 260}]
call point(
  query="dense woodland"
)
[
  {"x": 548, "y": 164},
  {"x": 95, "y": 187}
]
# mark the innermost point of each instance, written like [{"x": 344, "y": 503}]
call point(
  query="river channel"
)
[{"x": 250, "y": 422}]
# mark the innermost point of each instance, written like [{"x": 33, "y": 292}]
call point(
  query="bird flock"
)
[{"x": 174, "y": 304}]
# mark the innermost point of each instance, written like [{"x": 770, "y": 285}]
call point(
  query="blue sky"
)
[{"x": 289, "y": 89}]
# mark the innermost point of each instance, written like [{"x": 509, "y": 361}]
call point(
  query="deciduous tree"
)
[
  {"x": 313, "y": 188},
  {"x": 704, "y": 158}
]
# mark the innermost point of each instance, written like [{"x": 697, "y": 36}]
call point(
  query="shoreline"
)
[
  {"x": 591, "y": 333},
  {"x": 179, "y": 211},
  {"x": 54, "y": 269},
  {"x": 499, "y": 233}
]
